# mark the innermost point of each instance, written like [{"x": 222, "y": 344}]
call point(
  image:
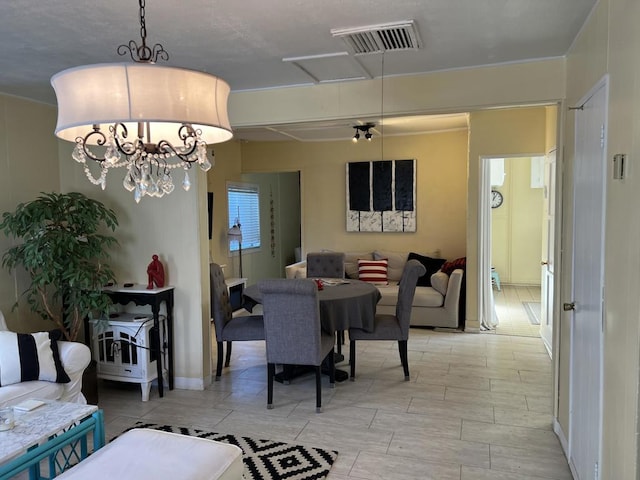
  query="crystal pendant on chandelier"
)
[
  {"x": 129, "y": 183},
  {"x": 186, "y": 183},
  {"x": 78, "y": 154},
  {"x": 112, "y": 155}
]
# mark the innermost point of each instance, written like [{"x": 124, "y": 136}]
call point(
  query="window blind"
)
[{"x": 244, "y": 205}]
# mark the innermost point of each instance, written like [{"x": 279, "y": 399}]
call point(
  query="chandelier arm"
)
[
  {"x": 101, "y": 140},
  {"x": 186, "y": 131},
  {"x": 166, "y": 147},
  {"x": 120, "y": 132}
]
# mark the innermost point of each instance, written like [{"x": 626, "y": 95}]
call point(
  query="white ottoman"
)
[{"x": 143, "y": 453}]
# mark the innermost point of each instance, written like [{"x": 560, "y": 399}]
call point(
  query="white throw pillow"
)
[
  {"x": 440, "y": 282},
  {"x": 30, "y": 356}
]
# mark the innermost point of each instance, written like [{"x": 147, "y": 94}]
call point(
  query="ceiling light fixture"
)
[
  {"x": 363, "y": 128},
  {"x": 148, "y": 118}
]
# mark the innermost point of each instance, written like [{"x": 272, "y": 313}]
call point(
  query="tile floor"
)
[
  {"x": 512, "y": 317},
  {"x": 478, "y": 407}
]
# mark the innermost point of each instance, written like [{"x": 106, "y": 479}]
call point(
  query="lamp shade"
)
[
  {"x": 129, "y": 93},
  {"x": 235, "y": 234}
]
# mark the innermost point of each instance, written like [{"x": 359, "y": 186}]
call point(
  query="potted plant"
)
[{"x": 64, "y": 251}]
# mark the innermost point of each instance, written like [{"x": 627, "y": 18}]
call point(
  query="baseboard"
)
[
  {"x": 557, "y": 429},
  {"x": 187, "y": 383},
  {"x": 448, "y": 330}
]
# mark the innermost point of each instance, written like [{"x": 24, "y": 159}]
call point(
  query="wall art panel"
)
[{"x": 381, "y": 196}]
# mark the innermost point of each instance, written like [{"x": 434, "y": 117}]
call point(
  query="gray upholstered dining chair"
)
[
  {"x": 229, "y": 328},
  {"x": 293, "y": 333},
  {"x": 392, "y": 327},
  {"x": 325, "y": 265}
]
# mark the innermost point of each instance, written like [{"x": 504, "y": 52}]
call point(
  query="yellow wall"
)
[
  {"x": 608, "y": 45},
  {"x": 441, "y": 189},
  {"x": 495, "y": 133},
  {"x": 227, "y": 167},
  {"x": 516, "y": 233},
  {"x": 27, "y": 167},
  {"x": 175, "y": 228}
]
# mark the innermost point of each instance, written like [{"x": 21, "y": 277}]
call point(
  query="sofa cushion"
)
[
  {"x": 16, "y": 393},
  {"x": 351, "y": 262},
  {"x": 26, "y": 357},
  {"x": 432, "y": 265},
  {"x": 396, "y": 262},
  {"x": 440, "y": 281},
  {"x": 374, "y": 271},
  {"x": 424, "y": 296}
]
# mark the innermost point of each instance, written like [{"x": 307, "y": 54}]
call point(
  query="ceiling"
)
[{"x": 263, "y": 44}]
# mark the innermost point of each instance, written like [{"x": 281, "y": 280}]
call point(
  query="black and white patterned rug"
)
[{"x": 267, "y": 459}]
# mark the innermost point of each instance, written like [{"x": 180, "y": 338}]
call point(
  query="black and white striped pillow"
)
[{"x": 31, "y": 356}]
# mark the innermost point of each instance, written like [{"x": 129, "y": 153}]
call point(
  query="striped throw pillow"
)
[
  {"x": 31, "y": 356},
  {"x": 374, "y": 271}
]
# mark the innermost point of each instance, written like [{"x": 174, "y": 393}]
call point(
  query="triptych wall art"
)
[{"x": 381, "y": 196}]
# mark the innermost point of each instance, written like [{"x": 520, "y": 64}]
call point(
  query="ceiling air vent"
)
[{"x": 384, "y": 37}]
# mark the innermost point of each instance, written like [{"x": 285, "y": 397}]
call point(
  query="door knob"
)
[
  {"x": 544, "y": 263},
  {"x": 567, "y": 307}
]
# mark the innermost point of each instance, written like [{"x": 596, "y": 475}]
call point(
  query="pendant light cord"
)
[{"x": 382, "y": 110}]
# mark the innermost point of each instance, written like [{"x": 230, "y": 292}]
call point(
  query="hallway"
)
[{"x": 513, "y": 318}]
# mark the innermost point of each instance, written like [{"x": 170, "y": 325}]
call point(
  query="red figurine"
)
[{"x": 155, "y": 271}]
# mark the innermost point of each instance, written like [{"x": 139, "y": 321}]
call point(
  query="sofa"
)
[
  {"x": 437, "y": 301},
  {"x": 74, "y": 357}
]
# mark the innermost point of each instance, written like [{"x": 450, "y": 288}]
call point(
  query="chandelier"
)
[{"x": 147, "y": 118}]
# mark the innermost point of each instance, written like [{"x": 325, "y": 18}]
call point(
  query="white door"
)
[
  {"x": 585, "y": 418},
  {"x": 548, "y": 251}
]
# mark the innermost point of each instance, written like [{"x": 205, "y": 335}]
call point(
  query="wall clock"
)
[{"x": 496, "y": 199}]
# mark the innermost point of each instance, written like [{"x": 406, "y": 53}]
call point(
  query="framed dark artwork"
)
[{"x": 381, "y": 196}]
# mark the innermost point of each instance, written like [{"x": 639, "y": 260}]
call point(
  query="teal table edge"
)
[{"x": 50, "y": 449}]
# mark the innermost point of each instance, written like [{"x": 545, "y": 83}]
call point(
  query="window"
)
[{"x": 244, "y": 208}]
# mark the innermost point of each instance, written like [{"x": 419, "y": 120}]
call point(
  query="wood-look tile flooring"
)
[
  {"x": 512, "y": 316},
  {"x": 478, "y": 407}
]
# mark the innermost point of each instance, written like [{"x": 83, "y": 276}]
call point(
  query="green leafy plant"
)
[{"x": 65, "y": 253}]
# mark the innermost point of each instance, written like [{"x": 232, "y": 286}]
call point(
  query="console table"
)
[{"x": 140, "y": 295}]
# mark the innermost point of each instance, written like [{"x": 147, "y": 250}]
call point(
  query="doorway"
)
[{"x": 512, "y": 233}]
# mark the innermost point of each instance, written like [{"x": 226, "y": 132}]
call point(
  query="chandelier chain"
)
[
  {"x": 143, "y": 53},
  {"x": 143, "y": 25}
]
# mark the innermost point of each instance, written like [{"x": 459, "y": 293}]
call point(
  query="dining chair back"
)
[
  {"x": 293, "y": 332},
  {"x": 412, "y": 271},
  {"x": 392, "y": 327},
  {"x": 325, "y": 265},
  {"x": 229, "y": 328}
]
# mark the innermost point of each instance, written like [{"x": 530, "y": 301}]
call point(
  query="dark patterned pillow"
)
[
  {"x": 431, "y": 264},
  {"x": 449, "y": 267},
  {"x": 31, "y": 356}
]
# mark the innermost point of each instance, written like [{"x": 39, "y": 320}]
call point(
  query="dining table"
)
[{"x": 343, "y": 304}]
